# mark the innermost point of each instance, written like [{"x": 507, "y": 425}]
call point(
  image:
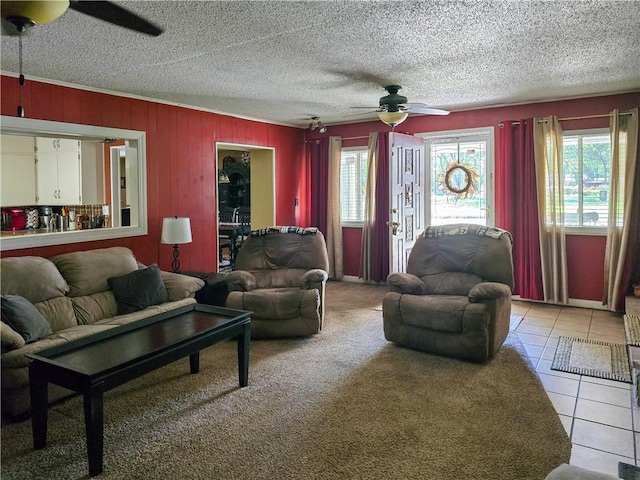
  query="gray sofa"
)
[{"x": 72, "y": 292}]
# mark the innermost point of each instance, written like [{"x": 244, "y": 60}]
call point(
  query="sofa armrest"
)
[
  {"x": 241, "y": 281},
  {"x": 311, "y": 278},
  {"x": 406, "y": 283},
  {"x": 488, "y": 291},
  {"x": 180, "y": 286}
]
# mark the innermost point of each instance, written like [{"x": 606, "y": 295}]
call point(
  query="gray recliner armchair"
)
[
  {"x": 455, "y": 299},
  {"x": 280, "y": 276}
]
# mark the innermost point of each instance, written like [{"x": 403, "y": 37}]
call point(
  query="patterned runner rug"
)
[
  {"x": 593, "y": 359},
  {"x": 632, "y": 329}
]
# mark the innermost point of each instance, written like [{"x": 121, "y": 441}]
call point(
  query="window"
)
[
  {"x": 586, "y": 161},
  {"x": 353, "y": 181}
]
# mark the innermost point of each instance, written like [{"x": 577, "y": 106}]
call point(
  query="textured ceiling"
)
[{"x": 286, "y": 62}]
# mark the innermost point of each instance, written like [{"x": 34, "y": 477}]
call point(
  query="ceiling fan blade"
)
[
  {"x": 9, "y": 30},
  {"x": 423, "y": 109},
  {"x": 115, "y": 14}
]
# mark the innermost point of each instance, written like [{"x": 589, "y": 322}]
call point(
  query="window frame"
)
[
  {"x": 594, "y": 231},
  {"x": 360, "y": 149}
]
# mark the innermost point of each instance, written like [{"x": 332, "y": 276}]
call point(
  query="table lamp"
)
[{"x": 176, "y": 230}]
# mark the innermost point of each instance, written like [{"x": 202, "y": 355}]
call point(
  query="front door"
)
[{"x": 407, "y": 203}]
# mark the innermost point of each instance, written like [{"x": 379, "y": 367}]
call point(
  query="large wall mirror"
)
[{"x": 67, "y": 183}]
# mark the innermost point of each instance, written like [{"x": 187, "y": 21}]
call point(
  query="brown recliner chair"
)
[
  {"x": 280, "y": 276},
  {"x": 455, "y": 299}
]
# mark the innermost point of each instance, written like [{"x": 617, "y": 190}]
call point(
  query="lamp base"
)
[{"x": 175, "y": 265}]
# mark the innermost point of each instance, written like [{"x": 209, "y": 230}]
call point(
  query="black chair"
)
[
  {"x": 226, "y": 215},
  {"x": 244, "y": 218}
]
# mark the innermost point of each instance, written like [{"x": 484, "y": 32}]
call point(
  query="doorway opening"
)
[{"x": 245, "y": 196}]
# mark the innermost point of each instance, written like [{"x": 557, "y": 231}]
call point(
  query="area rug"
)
[
  {"x": 592, "y": 358},
  {"x": 343, "y": 404},
  {"x": 632, "y": 329}
]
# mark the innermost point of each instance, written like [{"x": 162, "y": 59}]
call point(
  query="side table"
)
[{"x": 215, "y": 288}]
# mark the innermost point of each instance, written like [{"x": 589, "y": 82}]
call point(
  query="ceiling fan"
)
[
  {"x": 394, "y": 108},
  {"x": 25, "y": 14}
]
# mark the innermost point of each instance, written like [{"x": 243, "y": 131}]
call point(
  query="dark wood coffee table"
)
[{"x": 100, "y": 362}]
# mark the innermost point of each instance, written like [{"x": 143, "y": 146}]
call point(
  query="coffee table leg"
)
[
  {"x": 194, "y": 362},
  {"x": 94, "y": 425},
  {"x": 39, "y": 396},
  {"x": 244, "y": 340}
]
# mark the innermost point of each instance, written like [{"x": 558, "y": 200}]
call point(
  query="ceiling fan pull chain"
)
[{"x": 21, "y": 77}]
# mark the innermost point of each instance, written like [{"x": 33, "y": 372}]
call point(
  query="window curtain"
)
[
  {"x": 334, "y": 220},
  {"x": 380, "y": 269},
  {"x": 623, "y": 237},
  {"x": 516, "y": 193},
  {"x": 319, "y": 162},
  {"x": 549, "y": 174},
  {"x": 367, "y": 255}
]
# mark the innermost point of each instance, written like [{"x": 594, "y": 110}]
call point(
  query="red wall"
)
[
  {"x": 585, "y": 253},
  {"x": 181, "y": 173}
]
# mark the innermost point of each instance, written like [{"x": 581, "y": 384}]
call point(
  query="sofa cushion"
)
[
  {"x": 10, "y": 339},
  {"x": 87, "y": 272},
  {"x": 442, "y": 313},
  {"x": 274, "y": 303},
  {"x": 95, "y": 307},
  {"x": 58, "y": 312},
  {"x": 138, "y": 290},
  {"x": 180, "y": 286},
  {"x": 17, "y": 278},
  {"x": 23, "y": 317}
]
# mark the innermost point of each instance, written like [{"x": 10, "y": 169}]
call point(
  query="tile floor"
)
[{"x": 599, "y": 415}]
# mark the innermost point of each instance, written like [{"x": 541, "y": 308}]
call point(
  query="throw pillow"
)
[
  {"x": 23, "y": 317},
  {"x": 138, "y": 290}
]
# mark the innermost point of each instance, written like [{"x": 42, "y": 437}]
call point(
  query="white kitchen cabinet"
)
[
  {"x": 17, "y": 171},
  {"x": 58, "y": 172}
]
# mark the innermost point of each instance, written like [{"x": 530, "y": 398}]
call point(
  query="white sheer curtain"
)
[
  {"x": 366, "y": 256},
  {"x": 624, "y": 153},
  {"x": 334, "y": 220},
  {"x": 547, "y": 135}
]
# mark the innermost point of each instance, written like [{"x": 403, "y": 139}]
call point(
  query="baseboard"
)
[
  {"x": 351, "y": 278},
  {"x": 573, "y": 302}
]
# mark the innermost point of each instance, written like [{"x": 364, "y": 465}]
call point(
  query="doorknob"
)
[{"x": 395, "y": 226}]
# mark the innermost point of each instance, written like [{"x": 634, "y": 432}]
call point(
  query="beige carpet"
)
[{"x": 344, "y": 404}]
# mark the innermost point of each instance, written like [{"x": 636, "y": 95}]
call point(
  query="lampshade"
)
[
  {"x": 393, "y": 118},
  {"x": 39, "y": 12},
  {"x": 176, "y": 230}
]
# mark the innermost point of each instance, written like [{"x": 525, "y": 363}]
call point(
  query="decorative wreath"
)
[{"x": 469, "y": 184}]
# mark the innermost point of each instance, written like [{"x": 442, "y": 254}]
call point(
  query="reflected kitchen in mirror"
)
[{"x": 68, "y": 183}]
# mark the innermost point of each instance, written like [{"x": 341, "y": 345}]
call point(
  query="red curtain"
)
[
  {"x": 517, "y": 204},
  {"x": 380, "y": 268},
  {"x": 319, "y": 161}
]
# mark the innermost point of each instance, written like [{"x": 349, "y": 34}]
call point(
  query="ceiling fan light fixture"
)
[
  {"x": 393, "y": 119},
  {"x": 29, "y": 13}
]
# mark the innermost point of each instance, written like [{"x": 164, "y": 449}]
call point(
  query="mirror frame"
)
[{"x": 39, "y": 128}]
